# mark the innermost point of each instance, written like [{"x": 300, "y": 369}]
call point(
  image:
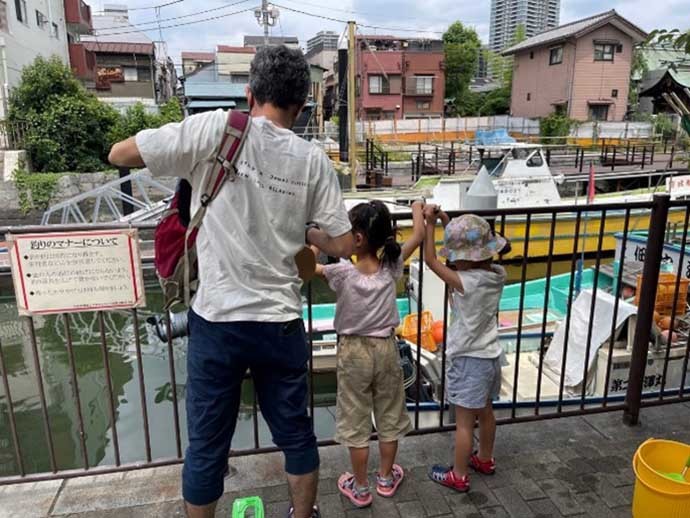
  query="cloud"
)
[{"x": 428, "y": 15}]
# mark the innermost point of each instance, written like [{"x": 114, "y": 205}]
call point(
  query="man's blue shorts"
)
[{"x": 218, "y": 357}]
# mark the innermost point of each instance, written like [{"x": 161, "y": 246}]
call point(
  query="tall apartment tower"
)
[
  {"x": 324, "y": 40},
  {"x": 536, "y": 16}
]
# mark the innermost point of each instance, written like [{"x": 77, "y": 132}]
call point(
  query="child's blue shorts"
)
[
  {"x": 473, "y": 382},
  {"x": 218, "y": 357}
]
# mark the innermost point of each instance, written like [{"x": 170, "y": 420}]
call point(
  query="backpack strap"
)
[{"x": 236, "y": 130}]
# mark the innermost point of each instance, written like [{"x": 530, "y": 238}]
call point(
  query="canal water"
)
[{"x": 119, "y": 333}]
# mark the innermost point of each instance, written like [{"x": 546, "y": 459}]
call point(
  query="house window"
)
[
  {"x": 614, "y": 93},
  {"x": 54, "y": 31},
  {"x": 561, "y": 109},
  {"x": 599, "y": 112},
  {"x": 20, "y": 6},
  {"x": 619, "y": 48},
  {"x": 423, "y": 105},
  {"x": 130, "y": 74},
  {"x": 603, "y": 51},
  {"x": 379, "y": 85},
  {"x": 41, "y": 19},
  {"x": 423, "y": 85},
  {"x": 529, "y": 97},
  {"x": 241, "y": 79},
  {"x": 556, "y": 56}
]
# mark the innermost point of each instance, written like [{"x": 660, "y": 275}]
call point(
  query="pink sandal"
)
[
  {"x": 388, "y": 487},
  {"x": 360, "y": 497}
]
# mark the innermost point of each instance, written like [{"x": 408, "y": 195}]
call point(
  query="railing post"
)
[
  {"x": 644, "y": 157},
  {"x": 645, "y": 310},
  {"x": 126, "y": 189}
]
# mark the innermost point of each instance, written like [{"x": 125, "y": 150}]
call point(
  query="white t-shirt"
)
[
  {"x": 255, "y": 226},
  {"x": 473, "y": 330}
]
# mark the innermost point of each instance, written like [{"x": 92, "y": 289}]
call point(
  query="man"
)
[{"x": 247, "y": 311}]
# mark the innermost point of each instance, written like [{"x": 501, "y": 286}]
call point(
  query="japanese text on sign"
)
[{"x": 79, "y": 271}]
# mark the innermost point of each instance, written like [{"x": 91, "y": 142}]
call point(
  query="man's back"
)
[{"x": 255, "y": 226}]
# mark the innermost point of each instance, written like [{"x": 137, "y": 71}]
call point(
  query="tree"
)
[
  {"x": 462, "y": 47},
  {"x": 136, "y": 118},
  {"x": 638, "y": 69},
  {"x": 66, "y": 126},
  {"x": 676, "y": 38}
]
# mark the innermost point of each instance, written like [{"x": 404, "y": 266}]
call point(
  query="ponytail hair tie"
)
[{"x": 390, "y": 240}]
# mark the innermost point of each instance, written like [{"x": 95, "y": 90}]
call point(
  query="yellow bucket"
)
[{"x": 655, "y": 495}]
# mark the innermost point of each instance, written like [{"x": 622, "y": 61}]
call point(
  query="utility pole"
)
[
  {"x": 266, "y": 16},
  {"x": 351, "y": 101},
  {"x": 342, "y": 96}
]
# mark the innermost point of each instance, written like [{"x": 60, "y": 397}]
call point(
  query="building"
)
[
  {"x": 258, "y": 41},
  {"x": 326, "y": 40},
  {"x": 399, "y": 78},
  {"x": 581, "y": 69},
  {"x": 205, "y": 89},
  {"x": 192, "y": 61},
  {"x": 536, "y": 16},
  {"x": 37, "y": 28},
  {"x": 130, "y": 67},
  {"x": 234, "y": 62},
  {"x": 668, "y": 72}
]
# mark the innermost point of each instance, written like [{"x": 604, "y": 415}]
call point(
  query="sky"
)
[{"x": 226, "y": 26}]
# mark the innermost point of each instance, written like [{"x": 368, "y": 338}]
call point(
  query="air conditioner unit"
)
[{"x": 405, "y": 44}]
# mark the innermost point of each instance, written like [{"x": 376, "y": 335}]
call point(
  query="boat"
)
[{"x": 522, "y": 179}]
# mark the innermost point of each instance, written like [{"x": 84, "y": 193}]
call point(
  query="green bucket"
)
[{"x": 242, "y": 505}]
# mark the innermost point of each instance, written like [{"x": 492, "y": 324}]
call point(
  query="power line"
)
[
  {"x": 100, "y": 31},
  {"x": 339, "y": 20},
  {"x": 183, "y": 24},
  {"x": 149, "y": 8}
]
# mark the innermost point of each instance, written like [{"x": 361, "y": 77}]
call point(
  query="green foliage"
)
[
  {"x": 35, "y": 189},
  {"x": 663, "y": 125},
  {"x": 462, "y": 46},
  {"x": 555, "y": 128},
  {"x": 68, "y": 128},
  {"x": 136, "y": 118},
  {"x": 638, "y": 68},
  {"x": 65, "y": 125},
  {"x": 676, "y": 38}
]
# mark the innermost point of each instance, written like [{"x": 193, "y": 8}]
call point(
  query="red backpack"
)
[{"x": 175, "y": 235}]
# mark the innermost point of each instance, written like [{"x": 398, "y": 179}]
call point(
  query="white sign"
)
[
  {"x": 678, "y": 185},
  {"x": 636, "y": 251},
  {"x": 76, "y": 271}
]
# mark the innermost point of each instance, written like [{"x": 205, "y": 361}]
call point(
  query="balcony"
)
[
  {"x": 82, "y": 62},
  {"x": 78, "y": 17}
]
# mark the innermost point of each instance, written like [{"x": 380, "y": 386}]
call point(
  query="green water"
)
[{"x": 119, "y": 333}]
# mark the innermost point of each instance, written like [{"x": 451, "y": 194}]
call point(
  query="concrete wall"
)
[
  {"x": 233, "y": 63},
  {"x": 595, "y": 80}
]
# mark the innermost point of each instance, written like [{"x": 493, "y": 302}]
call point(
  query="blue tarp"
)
[{"x": 492, "y": 137}]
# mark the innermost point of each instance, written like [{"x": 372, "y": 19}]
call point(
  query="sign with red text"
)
[
  {"x": 678, "y": 185},
  {"x": 68, "y": 272}
]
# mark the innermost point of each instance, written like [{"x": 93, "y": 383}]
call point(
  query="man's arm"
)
[
  {"x": 126, "y": 154},
  {"x": 340, "y": 246}
]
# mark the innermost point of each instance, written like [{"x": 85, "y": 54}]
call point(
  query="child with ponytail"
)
[{"x": 370, "y": 378}]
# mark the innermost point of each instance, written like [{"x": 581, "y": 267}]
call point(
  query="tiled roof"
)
[
  {"x": 236, "y": 50},
  {"x": 119, "y": 48},
  {"x": 198, "y": 56},
  {"x": 578, "y": 28},
  {"x": 662, "y": 60}
]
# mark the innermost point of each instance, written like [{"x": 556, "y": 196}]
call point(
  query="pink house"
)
[
  {"x": 399, "y": 78},
  {"x": 581, "y": 69}
]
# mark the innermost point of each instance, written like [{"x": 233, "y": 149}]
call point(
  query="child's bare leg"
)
[
  {"x": 388, "y": 451},
  {"x": 464, "y": 439},
  {"x": 360, "y": 461},
  {"x": 487, "y": 432}
]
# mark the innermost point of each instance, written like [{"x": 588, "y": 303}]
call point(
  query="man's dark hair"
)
[{"x": 280, "y": 76}]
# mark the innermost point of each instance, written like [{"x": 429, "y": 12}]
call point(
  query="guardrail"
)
[{"x": 524, "y": 399}]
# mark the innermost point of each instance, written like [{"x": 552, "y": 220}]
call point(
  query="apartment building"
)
[
  {"x": 581, "y": 69},
  {"x": 399, "y": 78},
  {"x": 233, "y": 63},
  {"x": 192, "y": 61},
  {"x": 326, "y": 40},
  {"x": 290, "y": 42},
  {"x": 536, "y": 16}
]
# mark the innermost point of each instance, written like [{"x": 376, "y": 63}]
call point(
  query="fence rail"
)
[
  {"x": 533, "y": 388},
  {"x": 12, "y": 135}
]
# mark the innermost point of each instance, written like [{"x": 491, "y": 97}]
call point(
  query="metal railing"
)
[{"x": 550, "y": 236}]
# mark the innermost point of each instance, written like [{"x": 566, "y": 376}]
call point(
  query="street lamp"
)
[{"x": 266, "y": 16}]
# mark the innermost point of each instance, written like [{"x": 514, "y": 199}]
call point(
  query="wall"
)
[
  {"x": 230, "y": 62},
  {"x": 429, "y": 64},
  {"x": 25, "y": 41},
  {"x": 375, "y": 64},
  {"x": 594, "y": 80},
  {"x": 545, "y": 83}
]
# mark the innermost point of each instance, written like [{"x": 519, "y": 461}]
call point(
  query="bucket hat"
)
[{"x": 470, "y": 238}]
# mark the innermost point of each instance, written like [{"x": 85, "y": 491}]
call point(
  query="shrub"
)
[{"x": 555, "y": 128}]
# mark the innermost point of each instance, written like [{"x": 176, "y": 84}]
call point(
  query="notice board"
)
[{"x": 68, "y": 272}]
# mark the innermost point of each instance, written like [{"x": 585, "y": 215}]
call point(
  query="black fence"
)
[{"x": 560, "y": 240}]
